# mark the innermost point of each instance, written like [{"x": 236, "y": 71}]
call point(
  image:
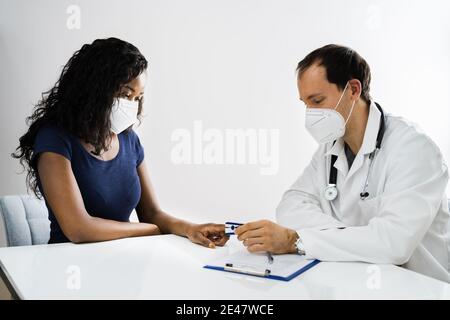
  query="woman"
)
[{"x": 82, "y": 155}]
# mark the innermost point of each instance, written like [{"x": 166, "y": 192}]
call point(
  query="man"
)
[{"x": 374, "y": 190}]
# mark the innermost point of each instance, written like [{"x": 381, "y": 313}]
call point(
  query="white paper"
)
[{"x": 283, "y": 265}]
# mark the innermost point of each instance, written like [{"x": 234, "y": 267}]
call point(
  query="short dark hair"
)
[{"x": 341, "y": 64}]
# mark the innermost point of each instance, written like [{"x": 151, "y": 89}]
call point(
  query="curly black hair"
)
[{"x": 80, "y": 101}]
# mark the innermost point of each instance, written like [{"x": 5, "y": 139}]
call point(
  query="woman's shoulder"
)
[
  {"x": 131, "y": 134},
  {"x": 132, "y": 137},
  {"x": 49, "y": 131},
  {"x": 53, "y": 138}
]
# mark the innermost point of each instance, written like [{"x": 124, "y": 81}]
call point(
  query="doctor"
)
[{"x": 374, "y": 190}]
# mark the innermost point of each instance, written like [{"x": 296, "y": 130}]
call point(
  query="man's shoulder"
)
[{"x": 403, "y": 134}]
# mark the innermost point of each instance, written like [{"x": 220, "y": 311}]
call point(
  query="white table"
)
[{"x": 170, "y": 267}]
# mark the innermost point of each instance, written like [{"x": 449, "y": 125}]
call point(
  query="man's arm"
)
[
  {"x": 415, "y": 187},
  {"x": 413, "y": 193}
]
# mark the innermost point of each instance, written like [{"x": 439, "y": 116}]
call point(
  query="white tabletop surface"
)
[{"x": 170, "y": 267}]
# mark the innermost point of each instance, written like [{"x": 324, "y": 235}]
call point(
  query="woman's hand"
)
[{"x": 209, "y": 235}]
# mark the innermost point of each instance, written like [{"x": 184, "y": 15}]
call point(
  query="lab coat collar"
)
[
  {"x": 337, "y": 148},
  {"x": 370, "y": 134}
]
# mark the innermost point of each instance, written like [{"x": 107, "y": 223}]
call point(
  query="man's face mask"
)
[
  {"x": 123, "y": 114},
  {"x": 326, "y": 125}
]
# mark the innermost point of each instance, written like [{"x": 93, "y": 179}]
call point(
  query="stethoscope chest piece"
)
[{"x": 330, "y": 192}]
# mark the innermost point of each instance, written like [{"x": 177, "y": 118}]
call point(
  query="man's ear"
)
[{"x": 356, "y": 88}]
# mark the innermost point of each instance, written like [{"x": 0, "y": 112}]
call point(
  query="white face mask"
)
[
  {"x": 326, "y": 125},
  {"x": 123, "y": 114}
]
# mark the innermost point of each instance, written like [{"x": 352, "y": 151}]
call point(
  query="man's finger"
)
[
  {"x": 252, "y": 241},
  {"x": 249, "y": 226},
  {"x": 251, "y": 234},
  {"x": 257, "y": 248}
]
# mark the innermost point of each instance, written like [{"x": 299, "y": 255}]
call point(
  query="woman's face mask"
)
[
  {"x": 123, "y": 114},
  {"x": 326, "y": 125}
]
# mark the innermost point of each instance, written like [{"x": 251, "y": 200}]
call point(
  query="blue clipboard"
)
[{"x": 263, "y": 273}]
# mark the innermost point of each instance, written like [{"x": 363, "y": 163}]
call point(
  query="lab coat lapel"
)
[
  {"x": 341, "y": 162},
  {"x": 341, "y": 166}
]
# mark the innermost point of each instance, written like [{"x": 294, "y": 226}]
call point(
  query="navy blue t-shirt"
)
[{"x": 110, "y": 189}]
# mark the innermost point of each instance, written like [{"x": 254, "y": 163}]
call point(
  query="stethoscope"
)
[{"x": 331, "y": 191}]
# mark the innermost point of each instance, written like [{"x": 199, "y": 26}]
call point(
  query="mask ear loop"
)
[
  {"x": 353, "y": 105},
  {"x": 351, "y": 111},
  {"x": 342, "y": 95}
]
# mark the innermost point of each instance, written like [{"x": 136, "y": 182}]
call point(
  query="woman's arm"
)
[
  {"x": 148, "y": 211},
  {"x": 63, "y": 195}
]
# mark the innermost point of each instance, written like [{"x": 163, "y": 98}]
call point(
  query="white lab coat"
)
[{"x": 405, "y": 219}]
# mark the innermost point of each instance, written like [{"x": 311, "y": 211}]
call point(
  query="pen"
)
[
  {"x": 269, "y": 257},
  {"x": 232, "y": 268}
]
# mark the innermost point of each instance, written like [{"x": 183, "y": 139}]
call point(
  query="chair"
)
[{"x": 23, "y": 221}]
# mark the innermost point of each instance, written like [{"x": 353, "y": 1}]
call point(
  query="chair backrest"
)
[
  {"x": 449, "y": 211},
  {"x": 23, "y": 221}
]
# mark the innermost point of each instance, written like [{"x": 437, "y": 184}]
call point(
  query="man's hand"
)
[
  {"x": 265, "y": 235},
  {"x": 209, "y": 235}
]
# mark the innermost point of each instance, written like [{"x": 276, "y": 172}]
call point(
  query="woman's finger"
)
[
  {"x": 214, "y": 228},
  {"x": 199, "y": 238},
  {"x": 221, "y": 241}
]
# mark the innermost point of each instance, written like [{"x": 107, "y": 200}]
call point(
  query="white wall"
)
[{"x": 229, "y": 64}]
